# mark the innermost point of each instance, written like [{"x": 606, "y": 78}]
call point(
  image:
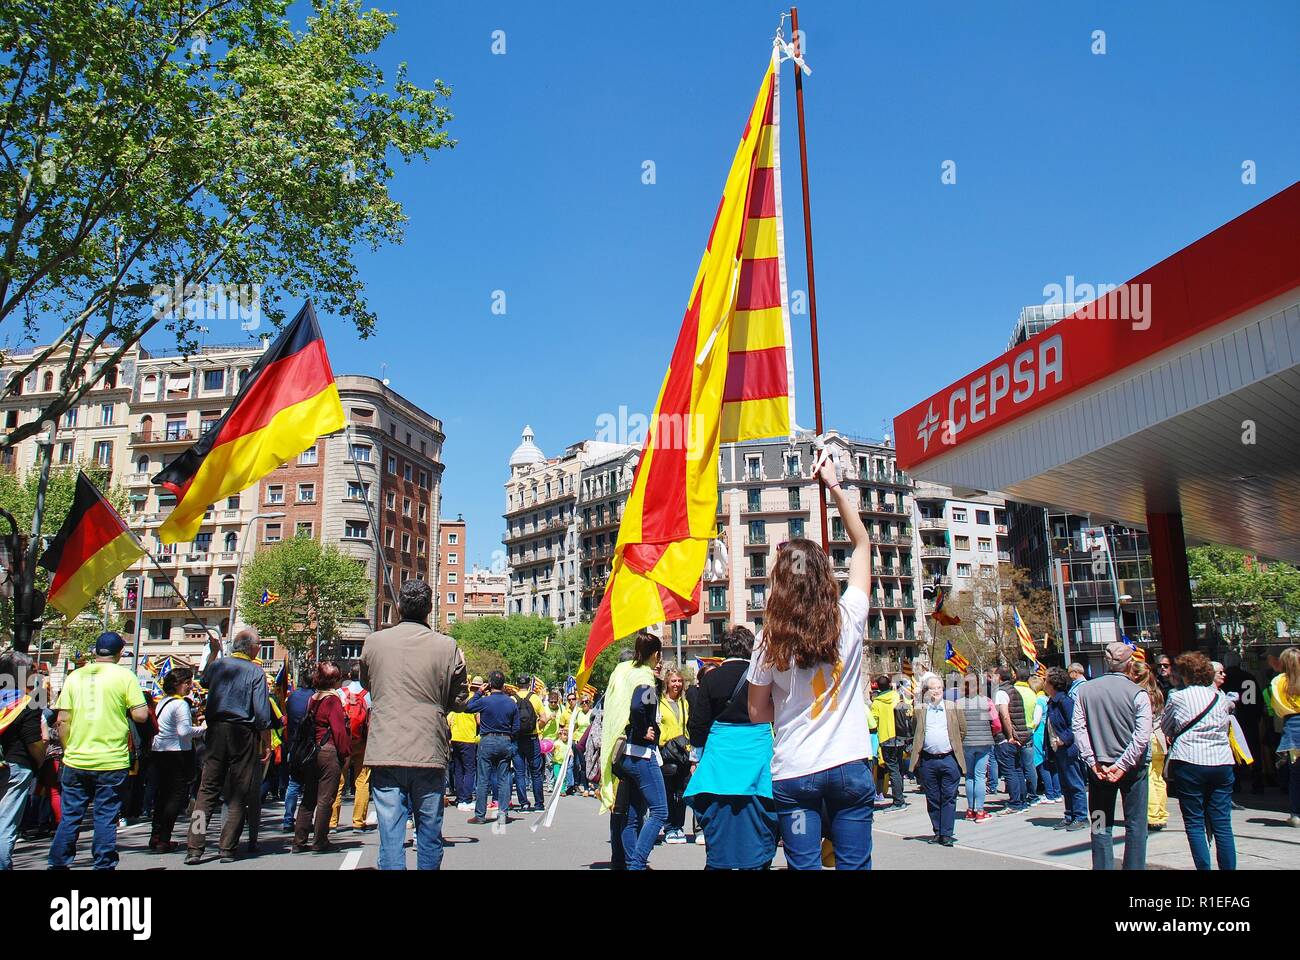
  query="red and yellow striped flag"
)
[
  {"x": 289, "y": 401},
  {"x": 92, "y": 547},
  {"x": 728, "y": 380}
]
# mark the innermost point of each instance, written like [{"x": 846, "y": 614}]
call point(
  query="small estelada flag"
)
[
  {"x": 289, "y": 401},
  {"x": 1024, "y": 636},
  {"x": 92, "y": 547},
  {"x": 267, "y": 598},
  {"x": 955, "y": 660}
]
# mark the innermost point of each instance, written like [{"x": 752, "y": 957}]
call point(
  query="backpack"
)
[
  {"x": 527, "y": 716},
  {"x": 358, "y": 714},
  {"x": 904, "y": 721},
  {"x": 305, "y": 746}
]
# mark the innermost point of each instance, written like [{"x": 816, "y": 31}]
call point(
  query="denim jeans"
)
[
  {"x": 13, "y": 803},
  {"x": 1008, "y": 754},
  {"x": 1051, "y": 781},
  {"x": 846, "y": 795},
  {"x": 291, "y": 797},
  {"x": 977, "y": 767},
  {"x": 647, "y": 809},
  {"x": 1074, "y": 788},
  {"x": 1030, "y": 771},
  {"x": 108, "y": 789},
  {"x": 992, "y": 781},
  {"x": 397, "y": 791},
  {"x": 1132, "y": 787},
  {"x": 940, "y": 776},
  {"x": 528, "y": 768},
  {"x": 495, "y": 753},
  {"x": 1205, "y": 797},
  {"x": 464, "y": 759}
]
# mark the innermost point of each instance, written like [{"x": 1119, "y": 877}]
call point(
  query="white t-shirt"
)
[{"x": 819, "y": 722}]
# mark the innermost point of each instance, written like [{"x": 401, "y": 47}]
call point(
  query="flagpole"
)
[{"x": 808, "y": 249}]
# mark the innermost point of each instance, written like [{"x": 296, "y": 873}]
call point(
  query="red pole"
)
[{"x": 808, "y": 248}]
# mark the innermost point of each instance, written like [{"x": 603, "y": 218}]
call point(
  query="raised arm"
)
[{"x": 860, "y": 561}]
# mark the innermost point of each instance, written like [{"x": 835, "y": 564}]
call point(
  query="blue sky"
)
[{"x": 1068, "y": 163}]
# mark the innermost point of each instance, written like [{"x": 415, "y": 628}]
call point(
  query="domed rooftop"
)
[{"x": 527, "y": 453}]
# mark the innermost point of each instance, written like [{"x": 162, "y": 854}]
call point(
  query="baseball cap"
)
[
  {"x": 1118, "y": 654},
  {"x": 108, "y": 644}
]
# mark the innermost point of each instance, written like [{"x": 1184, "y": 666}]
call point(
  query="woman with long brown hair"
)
[
  {"x": 1284, "y": 694},
  {"x": 804, "y": 678},
  {"x": 1158, "y": 794}
]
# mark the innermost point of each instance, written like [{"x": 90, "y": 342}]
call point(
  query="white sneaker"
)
[
  {"x": 675, "y": 836},
  {"x": 466, "y": 806},
  {"x": 699, "y": 839}
]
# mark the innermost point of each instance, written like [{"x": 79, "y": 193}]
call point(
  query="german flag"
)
[
  {"x": 288, "y": 402},
  {"x": 91, "y": 548}
]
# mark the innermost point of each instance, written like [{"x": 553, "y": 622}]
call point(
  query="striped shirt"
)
[{"x": 1204, "y": 743}]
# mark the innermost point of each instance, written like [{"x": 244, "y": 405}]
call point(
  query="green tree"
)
[
  {"x": 986, "y": 635},
  {"x": 564, "y": 654},
  {"x": 1241, "y": 597},
  {"x": 18, "y": 496},
  {"x": 520, "y": 639},
  {"x": 318, "y": 587},
  {"x": 158, "y": 146}
]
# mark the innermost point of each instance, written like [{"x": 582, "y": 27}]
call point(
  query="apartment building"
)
[
  {"x": 604, "y": 486},
  {"x": 960, "y": 539},
  {"x": 452, "y": 575},
  {"x": 485, "y": 594}
]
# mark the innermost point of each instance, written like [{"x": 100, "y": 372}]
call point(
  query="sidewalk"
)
[{"x": 1264, "y": 841}]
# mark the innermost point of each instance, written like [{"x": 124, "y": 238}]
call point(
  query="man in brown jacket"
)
[{"x": 415, "y": 677}]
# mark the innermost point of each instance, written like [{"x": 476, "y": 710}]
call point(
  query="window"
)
[
  {"x": 958, "y": 515},
  {"x": 266, "y": 652},
  {"x": 275, "y": 493},
  {"x": 11, "y": 419},
  {"x": 963, "y": 569},
  {"x": 754, "y": 467},
  {"x": 202, "y": 542},
  {"x": 408, "y": 439},
  {"x": 406, "y": 543},
  {"x": 796, "y": 528},
  {"x": 753, "y": 501},
  {"x": 357, "y": 530},
  {"x": 392, "y": 464},
  {"x": 451, "y": 598},
  {"x": 424, "y": 478},
  {"x": 106, "y": 414},
  {"x": 308, "y": 457},
  {"x": 389, "y": 537},
  {"x": 986, "y": 545},
  {"x": 104, "y": 453},
  {"x": 70, "y": 418},
  {"x": 176, "y": 428},
  {"x": 160, "y": 630},
  {"x": 424, "y": 513},
  {"x": 304, "y": 529},
  {"x": 358, "y": 491},
  {"x": 272, "y": 534},
  {"x": 390, "y": 500},
  {"x": 362, "y": 413},
  {"x": 453, "y": 559},
  {"x": 388, "y": 613},
  {"x": 232, "y": 541},
  {"x": 406, "y": 506},
  {"x": 962, "y": 543},
  {"x": 361, "y": 452},
  {"x": 419, "y": 545},
  {"x": 406, "y": 575},
  {"x": 208, "y": 419},
  {"x": 65, "y": 453},
  {"x": 982, "y": 516},
  {"x": 453, "y": 539},
  {"x": 406, "y": 472},
  {"x": 306, "y": 493},
  {"x": 232, "y": 503},
  {"x": 214, "y": 379},
  {"x": 452, "y": 577}
]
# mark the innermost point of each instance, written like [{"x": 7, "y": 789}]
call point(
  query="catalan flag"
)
[
  {"x": 538, "y": 687},
  {"x": 1041, "y": 671},
  {"x": 12, "y": 704},
  {"x": 728, "y": 380},
  {"x": 91, "y": 548},
  {"x": 702, "y": 662},
  {"x": 288, "y": 402},
  {"x": 956, "y": 660},
  {"x": 1026, "y": 638},
  {"x": 1138, "y": 653},
  {"x": 589, "y": 691},
  {"x": 267, "y": 598}
]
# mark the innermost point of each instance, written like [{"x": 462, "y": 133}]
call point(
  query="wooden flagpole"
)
[{"x": 808, "y": 248}]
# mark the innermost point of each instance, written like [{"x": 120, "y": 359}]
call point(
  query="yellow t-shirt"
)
[
  {"x": 559, "y": 751},
  {"x": 98, "y": 698},
  {"x": 581, "y": 721},
  {"x": 464, "y": 727}
]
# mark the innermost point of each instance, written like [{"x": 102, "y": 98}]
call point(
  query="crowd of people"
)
[{"x": 780, "y": 742}]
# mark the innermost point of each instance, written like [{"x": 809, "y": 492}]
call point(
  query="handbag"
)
[
  {"x": 1172, "y": 766},
  {"x": 305, "y": 747}
]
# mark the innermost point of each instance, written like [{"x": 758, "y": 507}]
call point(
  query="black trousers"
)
[
  {"x": 232, "y": 769},
  {"x": 675, "y": 787},
  {"x": 893, "y": 757},
  {"x": 319, "y": 786},
  {"x": 172, "y": 772}
]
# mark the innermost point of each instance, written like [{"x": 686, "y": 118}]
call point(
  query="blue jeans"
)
[
  {"x": 940, "y": 776},
  {"x": 1133, "y": 788},
  {"x": 1069, "y": 771},
  {"x": 1205, "y": 797},
  {"x": 291, "y": 796},
  {"x": 528, "y": 767},
  {"x": 846, "y": 796},
  {"x": 992, "y": 781},
  {"x": 1009, "y": 754},
  {"x": 1030, "y": 771},
  {"x": 647, "y": 809},
  {"x": 464, "y": 758},
  {"x": 396, "y": 790},
  {"x": 977, "y": 768},
  {"x": 13, "y": 803},
  {"x": 1051, "y": 781},
  {"x": 108, "y": 788},
  {"x": 495, "y": 752}
]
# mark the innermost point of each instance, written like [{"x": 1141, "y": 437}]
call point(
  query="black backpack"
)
[
  {"x": 904, "y": 723},
  {"x": 305, "y": 746},
  {"x": 527, "y": 716}
]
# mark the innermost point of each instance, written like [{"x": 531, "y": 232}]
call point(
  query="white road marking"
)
[{"x": 350, "y": 860}]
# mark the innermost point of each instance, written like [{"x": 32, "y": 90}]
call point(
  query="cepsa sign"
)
[
  {"x": 1019, "y": 379},
  {"x": 1244, "y": 263}
]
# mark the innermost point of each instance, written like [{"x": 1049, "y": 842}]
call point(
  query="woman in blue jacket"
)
[{"x": 1062, "y": 754}]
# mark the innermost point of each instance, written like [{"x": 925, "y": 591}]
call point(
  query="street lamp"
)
[{"x": 239, "y": 564}]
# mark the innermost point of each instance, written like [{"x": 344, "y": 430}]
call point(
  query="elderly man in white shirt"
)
[{"x": 939, "y": 757}]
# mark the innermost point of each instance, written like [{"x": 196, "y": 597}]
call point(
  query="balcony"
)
[
  {"x": 756, "y": 573},
  {"x": 890, "y": 508},
  {"x": 150, "y": 437},
  {"x": 756, "y": 540},
  {"x": 1004, "y": 556},
  {"x": 775, "y": 502},
  {"x": 716, "y": 606},
  {"x": 931, "y": 552},
  {"x": 890, "y": 572},
  {"x": 138, "y": 479},
  {"x": 759, "y": 604},
  {"x": 932, "y": 523},
  {"x": 176, "y": 603},
  {"x": 896, "y": 477}
]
